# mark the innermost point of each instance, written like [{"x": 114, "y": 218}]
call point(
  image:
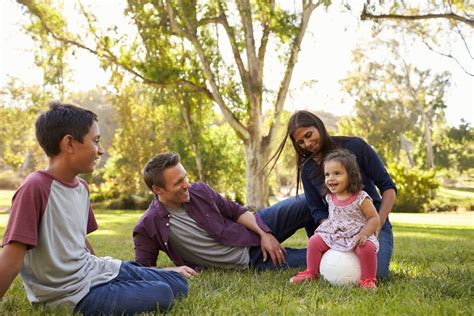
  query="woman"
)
[{"x": 312, "y": 143}]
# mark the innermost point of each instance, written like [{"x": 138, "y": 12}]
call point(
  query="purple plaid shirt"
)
[{"x": 214, "y": 213}]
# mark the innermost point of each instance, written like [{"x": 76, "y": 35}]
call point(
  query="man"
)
[{"x": 197, "y": 227}]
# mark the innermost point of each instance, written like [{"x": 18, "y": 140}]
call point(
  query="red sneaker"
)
[
  {"x": 367, "y": 283},
  {"x": 305, "y": 275}
]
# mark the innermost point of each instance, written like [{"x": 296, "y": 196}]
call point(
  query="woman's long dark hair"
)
[{"x": 304, "y": 119}]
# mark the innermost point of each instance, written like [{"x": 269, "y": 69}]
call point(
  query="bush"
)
[
  {"x": 9, "y": 180},
  {"x": 416, "y": 188},
  {"x": 441, "y": 206},
  {"x": 124, "y": 202}
]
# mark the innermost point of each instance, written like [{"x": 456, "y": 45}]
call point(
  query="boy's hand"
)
[{"x": 360, "y": 239}]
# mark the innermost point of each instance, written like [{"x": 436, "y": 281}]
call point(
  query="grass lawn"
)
[
  {"x": 5, "y": 199},
  {"x": 431, "y": 274}
]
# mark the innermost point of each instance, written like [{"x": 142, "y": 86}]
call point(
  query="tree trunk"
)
[
  {"x": 429, "y": 144},
  {"x": 186, "y": 115},
  {"x": 256, "y": 155},
  {"x": 406, "y": 146}
]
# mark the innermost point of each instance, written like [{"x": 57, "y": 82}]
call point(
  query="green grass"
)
[
  {"x": 431, "y": 274},
  {"x": 5, "y": 199}
]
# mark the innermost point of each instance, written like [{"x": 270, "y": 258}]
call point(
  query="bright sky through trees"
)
[{"x": 325, "y": 59}]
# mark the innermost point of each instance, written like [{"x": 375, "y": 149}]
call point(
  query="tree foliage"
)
[
  {"x": 441, "y": 25},
  {"x": 149, "y": 123},
  {"x": 399, "y": 108},
  {"x": 177, "y": 46},
  {"x": 416, "y": 188},
  {"x": 19, "y": 106}
]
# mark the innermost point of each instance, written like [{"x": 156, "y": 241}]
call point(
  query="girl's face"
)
[
  {"x": 308, "y": 138},
  {"x": 336, "y": 177}
]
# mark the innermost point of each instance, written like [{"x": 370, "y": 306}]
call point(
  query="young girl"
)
[{"x": 352, "y": 221}]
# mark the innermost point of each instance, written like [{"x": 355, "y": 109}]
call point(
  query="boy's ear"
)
[{"x": 67, "y": 144}]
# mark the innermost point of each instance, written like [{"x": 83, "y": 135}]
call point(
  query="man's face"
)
[{"x": 175, "y": 191}]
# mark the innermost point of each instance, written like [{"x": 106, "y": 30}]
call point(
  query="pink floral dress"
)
[{"x": 346, "y": 219}]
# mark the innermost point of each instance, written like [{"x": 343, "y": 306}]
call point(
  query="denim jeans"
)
[
  {"x": 284, "y": 219},
  {"x": 136, "y": 289},
  {"x": 385, "y": 250}
]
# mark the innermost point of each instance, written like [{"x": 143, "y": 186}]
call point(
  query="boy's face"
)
[{"x": 88, "y": 152}]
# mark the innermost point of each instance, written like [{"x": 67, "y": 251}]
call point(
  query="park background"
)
[{"x": 186, "y": 78}]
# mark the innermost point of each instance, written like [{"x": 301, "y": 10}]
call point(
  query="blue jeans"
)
[
  {"x": 284, "y": 219},
  {"x": 136, "y": 289},
  {"x": 385, "y": 250}
]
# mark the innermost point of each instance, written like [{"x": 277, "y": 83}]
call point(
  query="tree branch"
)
[
  {"x": 308, "y": 9},
  {"x": 449, "y": 56},
  {"x": 246, "y": 18},
  {"x": 235, "y": 50},
  {"x": 109, "y": 56},
  {"x": 464, "y": 41},
  {"x": 450, "y": 16},
  {"x": 217, "y": 97},
  {"x": 255, "y": 80},
  {"x": 264, "y": 41}
]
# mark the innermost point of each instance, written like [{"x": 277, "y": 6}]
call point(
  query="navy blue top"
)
[{"x": 374, "y": 175}]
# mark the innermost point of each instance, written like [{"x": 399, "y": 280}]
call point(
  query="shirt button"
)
[
  {"x": 169, "y": 215},
  {"x": 167, "y": 224},
  {"x": 166, "y": 244}
]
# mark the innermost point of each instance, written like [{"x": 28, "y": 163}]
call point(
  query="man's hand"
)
[
  {"x": 271, "y": 246},
  {"x": 185, "y": 271}
]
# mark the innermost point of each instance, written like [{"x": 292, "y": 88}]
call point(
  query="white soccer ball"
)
[{"x": 340, "y": 267}]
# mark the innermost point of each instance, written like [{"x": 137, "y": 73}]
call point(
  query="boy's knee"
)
[
  {"x": 182, "y": 288},
  {"x": 164, "y": 297}
]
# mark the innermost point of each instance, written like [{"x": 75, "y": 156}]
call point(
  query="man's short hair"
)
[
  {"x": 61, "y": 120},
  {"x": 154, "y": 168}
]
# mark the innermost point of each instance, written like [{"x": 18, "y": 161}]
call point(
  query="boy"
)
[{"x": 45, "y": 240}]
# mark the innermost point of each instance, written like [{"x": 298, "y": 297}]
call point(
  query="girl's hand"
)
[{"x": 360, "y": 239}]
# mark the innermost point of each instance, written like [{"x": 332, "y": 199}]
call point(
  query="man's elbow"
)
[{"x": 146, "y": 262}]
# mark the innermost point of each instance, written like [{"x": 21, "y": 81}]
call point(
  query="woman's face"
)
[{"x": 308, "y": 138}]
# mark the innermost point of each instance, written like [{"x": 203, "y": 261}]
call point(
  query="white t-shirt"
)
[{"x": 53, "y": 218}]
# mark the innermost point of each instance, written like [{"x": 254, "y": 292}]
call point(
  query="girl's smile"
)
[{"x": 336, "y": 178}]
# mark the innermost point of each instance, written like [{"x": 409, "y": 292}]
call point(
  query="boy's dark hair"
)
[
  {"x": 61, "y": 120},
  {"x": 349, "y": 161},
  {"x": 154, "y": 168}
]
